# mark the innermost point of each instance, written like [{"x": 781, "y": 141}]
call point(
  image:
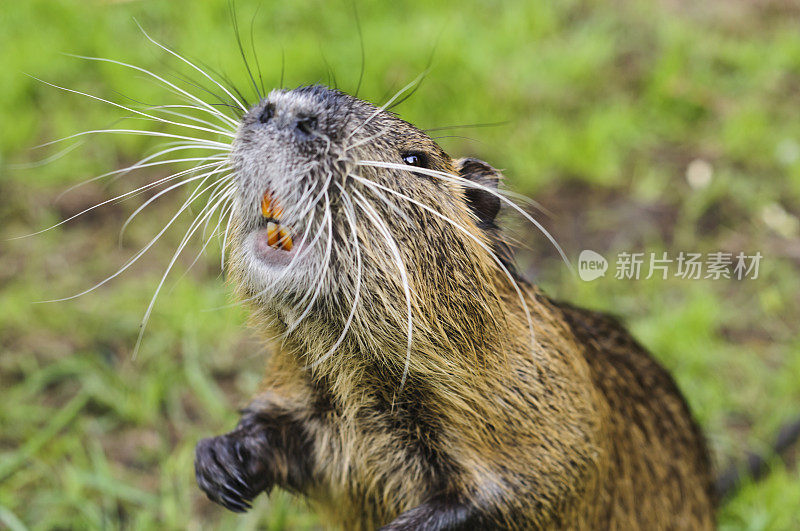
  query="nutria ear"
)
[{"x": 482, "y": 202}]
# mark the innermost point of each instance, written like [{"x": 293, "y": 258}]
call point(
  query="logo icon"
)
[{"x": 591, "y": 265}]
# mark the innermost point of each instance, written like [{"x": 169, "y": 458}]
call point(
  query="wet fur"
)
[{"x": 480, "y": 426}]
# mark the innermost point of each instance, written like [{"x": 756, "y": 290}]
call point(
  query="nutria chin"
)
[{"x": 418, "y": 381}]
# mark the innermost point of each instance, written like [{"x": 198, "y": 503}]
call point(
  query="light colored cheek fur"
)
[{"x": 254, "y": 281}]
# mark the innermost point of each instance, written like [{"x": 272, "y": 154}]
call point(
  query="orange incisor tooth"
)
[
  {"x": 272, "y": 234},
  {"x": 266, "y": 206},
  {"x": 284, "y": 240}
]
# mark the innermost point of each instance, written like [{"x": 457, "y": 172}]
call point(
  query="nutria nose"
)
[
  {"x": 307, "y": 125},
  {"x": 304, "y": 124},
  {"x": 267, "y": 113}
]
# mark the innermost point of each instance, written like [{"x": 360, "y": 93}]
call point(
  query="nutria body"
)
[{"x": 418, "y": 382}]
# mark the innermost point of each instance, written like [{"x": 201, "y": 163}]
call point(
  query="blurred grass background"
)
[{"x": 604, "y": 108}]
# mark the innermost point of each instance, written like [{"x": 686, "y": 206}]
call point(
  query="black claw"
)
[
  {"x": 237, "y": 475},
  {"x": 241, "y": 488},
  {"x": 232, "y": 504},
  {"x": 239, "y": 451},
  {"x": 233, "y": 467},
  {"x": 220, "y": 468}
]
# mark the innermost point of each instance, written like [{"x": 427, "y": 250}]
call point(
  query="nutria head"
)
[{"x": 356, "y": 234}]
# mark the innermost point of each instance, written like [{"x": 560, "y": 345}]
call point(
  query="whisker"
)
[
  {"x": 221, "y": 101},
  {"x": 220, "y": 191},
  {"x": 222, "y": 198},
  {"x": 422, "y": 76},
  {"x": 112, "y": 200},
  {"x": 47, "y": 160},
  {"x": 472, "y": 184},
  {"x": 167, "y": 109},
  {"x": 204, "y": 176},
  {"x": 142, "y": 164},
  {"x": 383, "y": 108},
  {"x": 140, "y": 113},
  {"x": 209, "y": 108},
  {"x": 235, "y": 21},
  {"x": 467, "y": 126},
  {"x": 367, "y": 140},
  {"x": 323, "y": 272},
  {"x": 350, "y": 215},
  {"x": 209, "y": 143},
  {"x": 168, "y": 50},
  {"x": 283, "y": 65},
  {"x": 464, "y": 230},
  {"x": 313, "y": 204},
  {"x": 525, "y": 199},
  {"x": 380, "y": 225},
  {"x": 253, "y": 48},
  {"x": 361, "y": 44},
  {"x": 174, "y": 146},
  {"x": 193, "y": 196},
  {"x": 187, "y": 236},
  {"x": 225, "y": 237}
]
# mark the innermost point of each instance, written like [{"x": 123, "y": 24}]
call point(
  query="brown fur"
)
[{"x": 578, "y": 429}]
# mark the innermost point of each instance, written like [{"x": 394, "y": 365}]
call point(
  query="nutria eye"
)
[
  {"x": 267, "y": 114},
  {"x": 415, "y": 158}
]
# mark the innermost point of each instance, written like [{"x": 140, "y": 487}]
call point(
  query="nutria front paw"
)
[{"x": 229, "y": 472}]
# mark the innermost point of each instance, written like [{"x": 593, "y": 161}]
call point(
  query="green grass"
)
[{"x": 603, "y": 109}]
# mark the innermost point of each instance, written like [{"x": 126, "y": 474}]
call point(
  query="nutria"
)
[{"x": 417, "y": 381}]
